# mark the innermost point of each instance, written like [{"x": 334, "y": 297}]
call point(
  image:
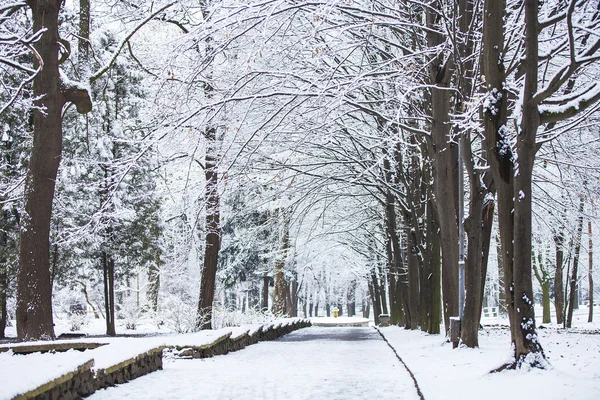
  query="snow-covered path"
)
[{"x": 312, "y": 363}]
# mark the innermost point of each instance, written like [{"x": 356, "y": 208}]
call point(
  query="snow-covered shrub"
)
[
  {"x": 178, "y": 315},
  {"x": 224, "y": 317},
  {"x": 131, "y": 313},
  {"x": 70, "y": 304}
]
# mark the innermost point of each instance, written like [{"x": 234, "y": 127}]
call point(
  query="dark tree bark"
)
[
  {"x": 574, "y": 271},
  {"x": 351, "y": 299},
  {"x": 397, "y": 287},
  {"x": 279, "y": 292},
  {"x": 526, "y": 339},
  {"x": 3, "y": 283},
  {"x": 265, "y": 293},
  {"x": 108, "y": 268},
  {"x": 445, "y": 163},
  {"x": 559, "y": 294},
  {"x": 590, "y": 275},
  {"x": 497, "y": 145},
  {"x": 412, "y": 316},
  {"x": 213, "y": 232},
  {"x": 375, "y": 297},
  {"x": 34, "y": 301},
  {"x": 153, "y": 284},
  {"x": 544, "y": 280}
]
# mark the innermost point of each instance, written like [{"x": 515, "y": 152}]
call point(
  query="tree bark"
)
[
  {"x": 573, "y": 279},
  {"x": 265, "y": 293},
  {"x": 108, "y": 268},
  {"x": 497, "y": 145},
  {"x": 34, "y": 291},
  {"x": 445, "y": 163},
  {"x": 526, "y": 339},
  {"x": 375, "y": 298},
  {"x": 279, "y": 292},
  {"x": 213, "y": 232},
  {"x": 590, "y": 275},
  {"x": 542, "y": 277},
  {"x": 559, "y": 294},
  {"x": 350, "y": 299}
]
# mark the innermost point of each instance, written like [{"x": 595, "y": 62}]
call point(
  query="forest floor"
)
[{"x": 312, "y": 363}]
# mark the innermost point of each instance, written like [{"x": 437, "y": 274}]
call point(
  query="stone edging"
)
[{"x": 84, "y": 381}]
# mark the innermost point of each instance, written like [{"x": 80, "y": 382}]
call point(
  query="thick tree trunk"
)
[
  {"x": 573, "y": 279},
  {"x": 34, "y": 290},
  {"x": 497, "y": 145},
  {"x": 469, "y": 334},
  {"x": 527, "y": 346},
  {"x": 34, "y": 302},
  {"x": 445, "y": 163},
  {"x": 213, "y": 233}
]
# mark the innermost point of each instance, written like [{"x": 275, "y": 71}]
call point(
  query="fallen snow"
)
[
  {"x": 463, "y": 373},
  {"x": 22, "y": 373},
  {"x": 312, "y": 363}
]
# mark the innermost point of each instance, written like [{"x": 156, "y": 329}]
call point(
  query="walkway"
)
[{"x": 312, "y": 363}]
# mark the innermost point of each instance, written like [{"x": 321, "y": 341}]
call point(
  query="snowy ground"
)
[
  {"x": 312, "y": 363},
  {"x": 446, "y": 373},
  {"x": 345, "y": 363}
]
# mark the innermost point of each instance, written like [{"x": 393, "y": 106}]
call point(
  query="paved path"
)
[{"x": 312, "y": 363}]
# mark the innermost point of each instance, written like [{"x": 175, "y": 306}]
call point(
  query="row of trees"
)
[{"x": 258, "y": 139}]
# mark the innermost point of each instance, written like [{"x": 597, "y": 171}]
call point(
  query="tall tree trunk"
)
[
  {"x": 34, "y": 301},
  {"x": 279, "y": 292},
  {"x": 375, "y": 297},
  {"x": 153, "y": 283},
  {"x": 382, "y": 290},
  {"x": 108, "y": 268},
  {"x": 445, "y": 162},
  {"x": 542, "y": 277},
  {"x": 3, "y": 271},
  {"x": 3, "y": 290},
  {"x": 526, "y": 339},
  {"x": 351, "y": 299},
  {"x": 497, "y": 142},
  {"x": 559, "y": 293},
  {"x": 294, "y": 296},
  {"x": 34, "y": 291},
  {"x": 265, "y": 293},
  {"x": 396, "y": 290},
  {"x": 213, "y": 232},
  {"x": 573, "y": 279},
  {"x": 590, "y": 276},
  {"x": 413, "y": 314},
  {"x": 474, "y": 274}
]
